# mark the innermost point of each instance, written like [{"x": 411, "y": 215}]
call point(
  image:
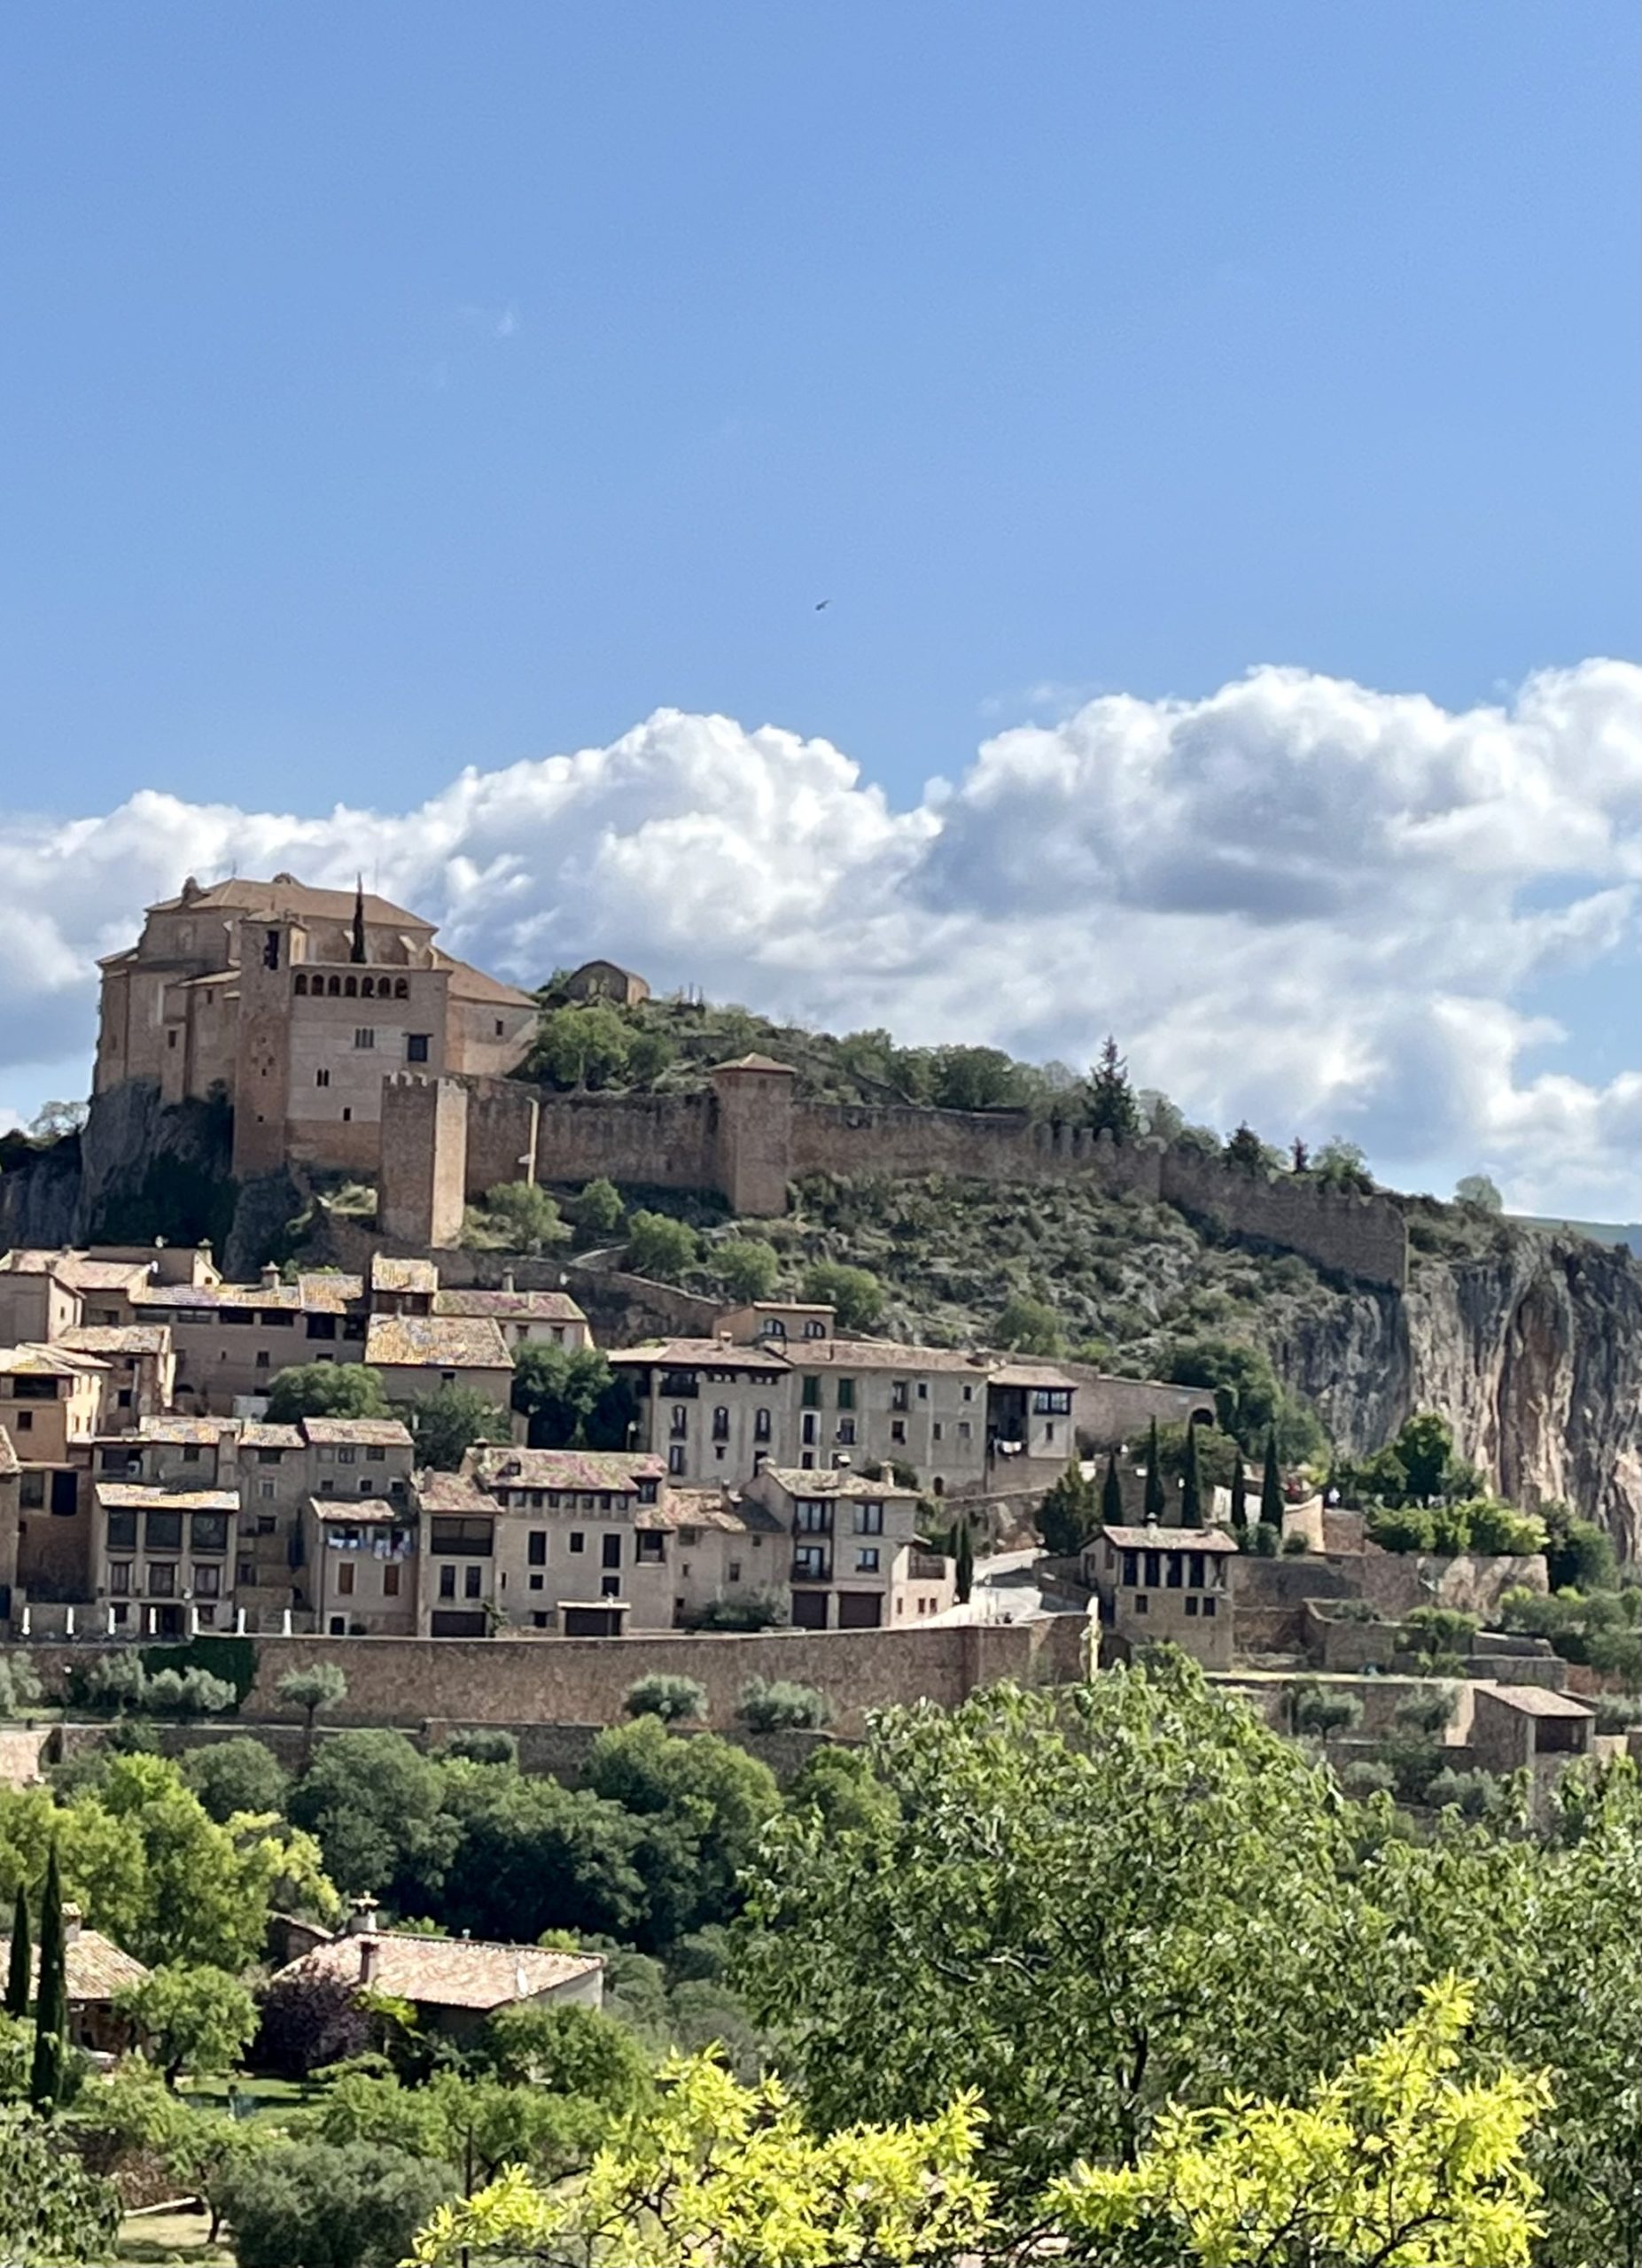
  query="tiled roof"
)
[
  {"x": 356, "y": 1512},
  {"x": 700, "y": 1353},
  {"x": 118, "y": 1338},
  {"x": 884, "y": 1354},
  {"x": 359, "y": 1432},
  {"x": 210, "y": 1299},
  {"x": 1534, "y": 1700},
  {"x": 469, "y": 983},
  {"x": 389, "y": 1275},
  {"x": 436, "y": 1341},
  {"x": 94, "y": 1967},
  {"x": 510, "y": 1306},
  {"x": 500, "y": 1467},
  {"x": 77, "y": 1270},
  {"x": 190, "y": 1431},
  {"x": 1168, "y": 1539},
  {"x": 32, "y": 1362},
  {"x": 756, "y": 1063},
  {"x": 285, "y": 896},
  {"x": 257, "y": 1434},
  {"x": 833, "y": 1481},
  {"x": 452, "y": 1492},
  {"x": 138, "y": 1496},
  {"x": 1029, "y": 1374},
  {"x": 328, "y": 1292},
  {"x": 709, "y": 1507},
  {"x": 446, "y": 1972}
]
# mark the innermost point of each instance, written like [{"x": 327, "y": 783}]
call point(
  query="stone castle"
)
[{"x": 346, "y": 1040}]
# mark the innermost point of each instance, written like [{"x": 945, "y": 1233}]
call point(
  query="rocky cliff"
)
[{"x": 1532, "y": 1350}]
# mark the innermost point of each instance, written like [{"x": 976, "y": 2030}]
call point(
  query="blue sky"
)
[{"x": 388, "y": 391}]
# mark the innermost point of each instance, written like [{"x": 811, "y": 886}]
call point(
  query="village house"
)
[
  {"x": 417, "y": 1354},
  {"x": 708, "y": 1407},
  {"x": 603, "y": 980},
  {"x": 141, "y": 1364},
  {"x": 453, "y": 1983},
  {"x": 95, "y": 1971},
  {"x": 293, "y": 1004},
  {"x": 1154, "y": 1583},
  {"x": 524, "y": 1318},
  {"x": 857, "y": 1560}
]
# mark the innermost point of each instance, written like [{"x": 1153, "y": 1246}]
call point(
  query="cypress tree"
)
[
  {"x": 1191, "y": 1484},
  {"x": 1111, "y": 1493},
  {"x": 45, "y": 2081},
  {"x": 964, "y": 1556},
  {"x": 1154, "y": 1500},
  {"x": 1272, "y": 1487},
  {"x": 1239, "y": 1503},
  {"x": 20, "y": 1976}
]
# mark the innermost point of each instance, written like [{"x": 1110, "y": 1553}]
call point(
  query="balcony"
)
[{"x": 811, "y": 1571}]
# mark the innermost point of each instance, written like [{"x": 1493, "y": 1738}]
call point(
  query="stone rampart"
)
[{"x": 1363, "y": 1236}]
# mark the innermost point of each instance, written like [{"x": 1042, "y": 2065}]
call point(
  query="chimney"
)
[
  {"x": 507, "y": 1279},
  {"x": 362, "y": 1918},
  {"x": 271, "y": 1277},
  {"x": 71, "y": 1919},
  {"x": 369, "y": 1955}
]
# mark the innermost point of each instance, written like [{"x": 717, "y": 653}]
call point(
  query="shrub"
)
[
  {"x": 304, "y": 2023},
  {"x": 307, "y": 2204},
  {"x": 1363, "y": 1779},
  {"x": 188, "y": 1693},
  {"x": 777, "y": 1705},
  {"x": 326, "y": 1390},
  {"x": 659, "y": 1246},
  {"x": 482, "y": 1744},
  {"x": 746, "y": 1266},
  {"x": 1476, "y": 1795},
  {"x": 1295, "y": 1547},
  {"x": 1030, "y": 1327},
  {"x": 1318, "y": 1709},
  {"x": 599, "y": 1208},
  {"x": 20, "y": 1687},
  {"x": 1426, "y": 1712},
  {"x": 673, "y": 1699},
  {"x": 447, "y": 1423},
  {"x": 524, "y": 1215},
  {"x": 115, "y": 1680},
  {"x": 854, "y": 1294},
  {"x": 755, "y": 1610},
  {"x": 237, "y": 1775},
  {"x": 1617, "y": 1713}
]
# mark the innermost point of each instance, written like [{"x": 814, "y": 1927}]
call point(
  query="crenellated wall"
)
[{"x": 748, "y": 1137}]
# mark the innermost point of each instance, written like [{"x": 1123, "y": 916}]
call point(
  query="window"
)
[
  {"x": 648, "y": 1548},
  {"x": 809, "y": 1564},
  {"x": 609, "y": 1586},
  {"x": 536, "y": 1582},
  {"x": 345, "y": 1577},
  {"x": 162, "y": 1579},
  {"x": 807, "y": 1460},
  {"x": 1209, "y": 1609},
  {"x": 262, "y": 1362},
  {"x": 271, "y": 949},
  {"x": 867, "y": 1562},
  {"x": 577, "y": 1541},
  {"x": 536, "y": 1548},
  {"x": 163, "y": 1531},
  {"x": 346, "y": 1113},
  {"x": 209, "y": 1531},
  {"x": 898, "y": 1429},
  {"x": 771, "y": 1327},
  {"x": 31, "y": 1498},
  {"x": 678, "y": 1422},
  {"x": 808, "y": 1428},
  {"x": 364, "y": 1036},
  {"x": 609, "y": 1552},
  {"x": 267, "y": 1525},
  {"x": 935, "y": 1430},
  {"x": 375, "y": 1456},
  {"x": 119, "y": 1576},
  {"x": 1052, "y": 1401},
  {"x": 846, "y": 1394},
  {"x": 1191, "y": 1606},
  {"x": 401, "y": 988},
  {"x": 417, "y": 1047},
  {"x": 468, "y": 1538},
  {"x": 846, "y": 1431},
  {"x": 812, "y": 1516},
  {"x": 298, "y": 984},
  {"x": 1177, "y": 1571},
  {"x": 815, "y": 1328},
  {"x": 322, "y": 1077},
  {"x": 338, "y": 1625},
  {"x": 675, "y": 1459},
  {"x": 473, "y": 1581},
  {"x": 1140, "y": 1602},
  {"x": 447, "y": 1582},
  {"x": 732, "y": 1573},
  {"x": 191, "y": 1455},
  {"x": 809, "y": 1394},
  {"x": 897, "y": 1393},
  {"x": 869, "y": 1519},
  {"x": 121, "y": 1526},
  {"x": 720, "y": 1424},
  {"x": 1132, "y": 1569},
  {"x": 1194, "y": 1570},
  {"x": 1048, "y": 1433},
  {"x": 1153, "y": 1569},
  {"x": 347, "y": 1457},
  {"x": 760, "y": 1424}
]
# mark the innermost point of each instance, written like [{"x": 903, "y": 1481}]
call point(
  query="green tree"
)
[
  {"x": 1111, "y": 1493},
  {"x": 568, "y": 2051},
  {"x": 725, "y": 2172},
  {"x": 580, "y": 1047},
  {"x": 701, "y": 1805},
  {"x": 1245, "y": 1150},
  {"x": 571, "y": 1397},
  {"x": 445, "y": 1424},
  {"x": 963, "y": 1558},
  {"x": 45, "y": 2080},
  {"x": 51, "y": 2208},
  {"x": 1156, "y": 1499},
  {"x": 241, "y": 1775},
  {"x": 1272, "y": 1486},
  {"x": 599, "y": 1209},
  {"x": 672, "y": 1699},
  {"x": 375, "y": 1805},
  {"x": 975, "y": 1078},
  {"x": 20, "y": 1977},
  {"x": 310, "y": 2204},
  {"x": 530, "y": 1855},
  {"x": 1579, "y": 1554},
  {"x": 1030, "y": 1327},
  {"x": 1425, "y": 1449},
  {"x": 854, "y": 1294},
  {"x": 525, "y": 1215},
  {"x": 1395, "y": 2160},
  {"x": 778, "y": 1705},
  {"x": 320, "y": 1686},
  {"x": 199, "y": 2019},
  {"x": 326, "y": 1390},
  {"x": 659, "y": 1246},
  {"x": 1191, "y": 1484},
  {"x": 1111, "y": 1107},
  {"x": 1341, "y": 1165},
  {"x": 1476, "y": 1189},
  {"x": 1066, "y": 1515},
  {"x": 746, "y": 1266}
]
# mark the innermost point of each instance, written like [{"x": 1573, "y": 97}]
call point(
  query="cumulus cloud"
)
[{"x": 1298, "y": 900}]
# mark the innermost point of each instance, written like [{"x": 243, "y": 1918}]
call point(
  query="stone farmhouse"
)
[{"x": 293, "y": 1003}]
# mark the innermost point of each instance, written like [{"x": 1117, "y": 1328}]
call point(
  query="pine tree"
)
[
  {"x": 1272, "y": 1487},
  {"x": 1111, "y": 1493},
  {"x": 20, "y": 1977},
  {"x": 45, "y": 2082},
  {"x": 1112, "y": 1105},
  {"x": 964, "y": 1559},
  {"x": 1191, "y": 1484},
  {"x": 1154, "y": 1499}
]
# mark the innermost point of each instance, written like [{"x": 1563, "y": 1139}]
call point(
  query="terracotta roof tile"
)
[
  {"x": 94, "y": 1967},
  {"x": 611, "y": 1470},
  {"x": 1168, "y": 1539},
  {"x": 118, "y": 1338},
  {"x": 389, "y": 1275},
  {"x": 446, "y": 1972},
  {"x": 700, "y": 1353},
  {"x": 436, "y": 1342},
  {"x": 359, "y": 1432},
  {"x": 510, "y": 1306}
]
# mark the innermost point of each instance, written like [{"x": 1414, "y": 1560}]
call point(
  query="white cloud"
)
[{"x": 1298, "y": 901}]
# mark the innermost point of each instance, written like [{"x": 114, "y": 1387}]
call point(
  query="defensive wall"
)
[
  {"x": 514, "y": 1681},
  {"x": 749, "y": 1138}
]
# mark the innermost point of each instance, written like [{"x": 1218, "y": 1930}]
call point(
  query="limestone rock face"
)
[{"x": 1533, "y": 1352}]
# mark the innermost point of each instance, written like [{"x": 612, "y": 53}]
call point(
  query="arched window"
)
[
  {"x": 721, "y": 1424},
  {"x": 773, "y": 1327},
  {"x": 334, "y": 986},
  {"x": 350, "y": 987},
  {"x": 367, "y": 987},
  {"x": 298, "y": 984},
  {"x": 401, "y": 989}
]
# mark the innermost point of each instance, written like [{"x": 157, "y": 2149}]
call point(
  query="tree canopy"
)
[{"x": 326, "y": 1390}]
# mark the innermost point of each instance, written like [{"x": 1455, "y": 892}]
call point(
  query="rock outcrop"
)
[{"x": 1533, "y": 1352}]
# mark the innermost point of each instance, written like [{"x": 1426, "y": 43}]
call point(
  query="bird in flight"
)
[{"x": 820, "y": 603}]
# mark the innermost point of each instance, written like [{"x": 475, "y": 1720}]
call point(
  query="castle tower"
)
[
  {"x": 262, "y": 1053},
  {"x": 421, "y": 1183},
  {"x": 753, "y": 1133}
]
